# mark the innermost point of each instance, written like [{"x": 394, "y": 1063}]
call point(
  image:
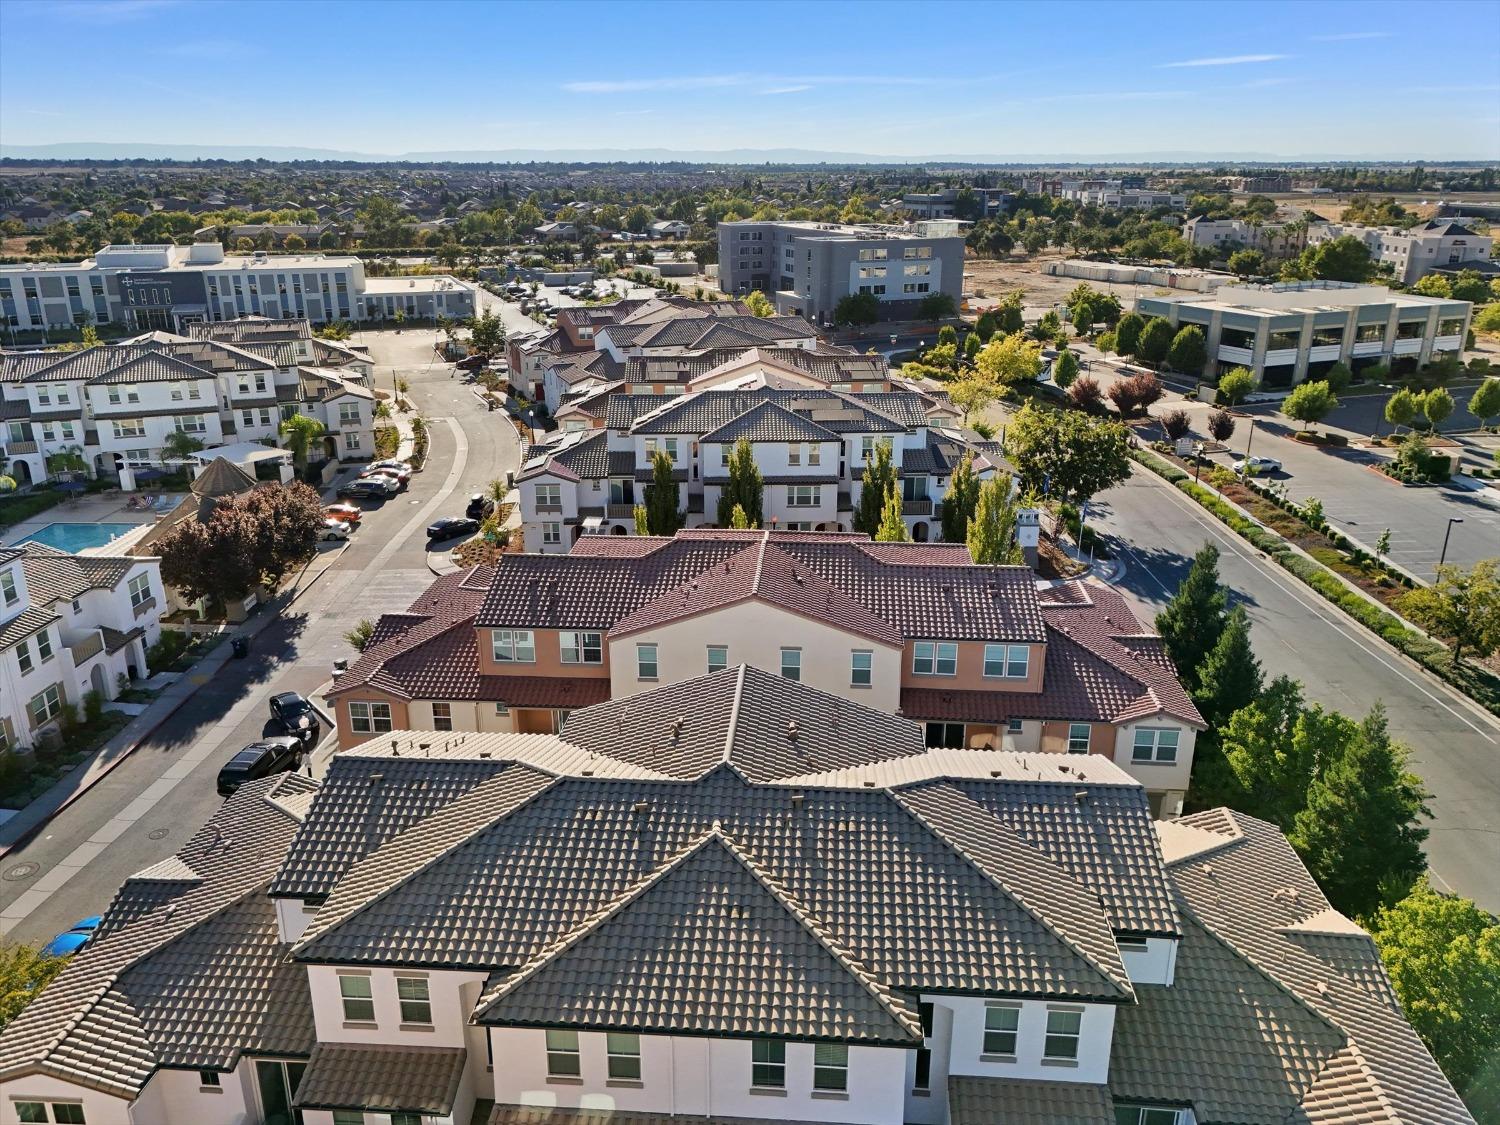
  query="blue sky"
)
[{"x": 1310, "y": 78}]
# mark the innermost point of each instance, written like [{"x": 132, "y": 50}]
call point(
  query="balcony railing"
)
[
  {"x": 87, "y": 648},
  {"x": 916, "y": 507},
  {"x": 620, "y": 511},
  {"x": 549, "y": 507},
  {"x": 14, "y": 448}
]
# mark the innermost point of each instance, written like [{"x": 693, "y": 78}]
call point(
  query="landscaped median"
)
[{"x": 1477, "y": 683}]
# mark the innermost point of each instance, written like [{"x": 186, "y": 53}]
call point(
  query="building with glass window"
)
[
  {"x": 1413, "y": 252},
  {"x": 1292, "y": 331}
]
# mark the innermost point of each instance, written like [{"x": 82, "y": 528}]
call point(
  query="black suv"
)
[
  {"x": 259, "y": 759},
  {"x": 479, "y": 507},
  {"x": 294, "y": 715}
]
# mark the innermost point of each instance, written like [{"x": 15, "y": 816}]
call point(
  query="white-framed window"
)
[
  {"x": 934, "y": 658},
  {"x": 370, "y": 718},
  {"x": 874, "y": 254},
  {"x": 794, "y": 454},
  {"x": 349, "y": 414},
  {"x": 814, "y": 454},
  {"x": 831, "y": 1066},
  {"x": 358, "y": 999},
  {"x": 1078, "y": 738},
  {"x": 866, "y": 447},
  {"x": 208, "y": 1079},
  {"x": 63, "y": 1113},
  {"x": 177, "y": 392},
  {"x": 348, "y": 1117},
  {"x": 1154, "y": 744},
  {"x": 513, "y": 646},
  {"x": 645, "y": 662},
  {"x": 130, "y": 427},
  {"x": 1015, "y": 726},
  {"x": 562, "y": 1054},
  {"x": 8, "y": 587},
  {"x": 191, "y": 424},
  {"x": 23, "y": 656},
  {"x": 140, "y": 590},
  {"x": 718, "y": 657},
  {"x": 1147, "y": 1115},
  {"x": 624, "y": 1053},
  {"x": 791, "y": 663},
  {"x": 442, "y": 716},
  {"x": 1011, "y": 662},
  {"x": 581, "y": 648},
  {"x": 113, "y": 394},
  {"x": 549, "y": 496},
  {"x": 667, "y": 445},
  {"x": 501, "y": 708},
  {"x": 768, "y": 1064},
  {"x": 1001, "y": 1022},
  {"x": 351, "y": 439},
  {"x": 44, "y": 646},
  {"x": 861, "y": 667},
  {"x": 1063, "y": 1028},
  {"x": 415, "y": 1000},
  {"x": 804, "y": 495}
]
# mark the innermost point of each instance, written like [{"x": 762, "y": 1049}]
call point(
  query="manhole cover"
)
[
  {"x": 22, "y": 871},
  {"x": 158, "y": 833}
]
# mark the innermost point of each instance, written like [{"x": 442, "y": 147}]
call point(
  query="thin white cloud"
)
[
  {"x": 778, "y": 83},
  {"x": 644, "y": 85},
  {"x": 786, "y": 90},
  {"x": 41, "y": 112},
  {"x": 1226, "y": 60},
  {"x": 1351, "y": 36}
]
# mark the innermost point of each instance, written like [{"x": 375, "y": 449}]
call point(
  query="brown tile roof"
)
[
  {"x": 547, "y": 1115},
  {"x": 383, "y": 1078},
  {"x": 1021, "y": 1101},
  {"x": 57, "y": 576},
  {"x": 770, "y": 422},
  {"x": 27, "y": 623}
]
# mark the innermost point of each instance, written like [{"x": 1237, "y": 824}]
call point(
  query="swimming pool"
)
[{"x": 78, "y": 536}]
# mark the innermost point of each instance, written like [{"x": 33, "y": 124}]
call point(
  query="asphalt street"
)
[
  {"x": 1455, "y": 745},
  {"x": 149, "y": 805}
]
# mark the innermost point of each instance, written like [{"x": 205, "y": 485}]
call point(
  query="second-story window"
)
[
  {"x": 8, "y": 588},
  {"x": 645, "y": 662},
  {"x": 861, "y": 667},
  {"x": 1011, "y": 662},
  {"x": 814, "y": 454},
  {"x": 1063, "y": 1028},
  {"x": 934, "y": 658},
  {"x": 1154, "y": 745},
  {"x": 416, "y": 1002},
  {"x": 718, "y": 657},
  {"x": 513, "y": 646},
  {"x": 1000, "y": 1024},
  {"x": 791, "y": 663},
  {"x": 804, "y": 495},
  {"x": 1078, "y": 738},
  {"x": 624, "y": 1056},
  {"x": 562, "y": 1054},
  {"x": 768, "y": 1064},
  {"x": 581, "y": 648},
  {"x": 44, "y": 646},
  {"x": 359, "y": 1002},
  {"x": 831, "y": 1066},
  {"x": 442, "y": 716},
  {"x": 549, "y": 496},
  {"x": 140, "y": 590}
]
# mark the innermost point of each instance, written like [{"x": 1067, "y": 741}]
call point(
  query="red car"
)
[{"x": 349, "y": 513}]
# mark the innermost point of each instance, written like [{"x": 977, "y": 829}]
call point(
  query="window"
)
[
  {"x": 8, "y": 587},
  {"x": 516, "y": 646},
  {"x": 44, "y": 645},
  {"x": 208, "y": 1079},
  {"x": 950, "y": 735},
  {"x": 794, "y": 454},
  {"x": 562, "y": 1054},
  {"x": 768, "y": 1064},
  {"x": 1078, "y": 738},
  {"x": 1154, "y": 745},
  {"x": 130, "y": 427},
  {"x": 1063, "y": 1026},
  {"x": 552, "y": 533},
  {"x": 351, "y": 440},
  {"x": 442, "y": 716},
  {"x": 830, "y": 1066},
  {"x": 922, "y": 1078},
  {"x": 916, "y": 271},
  {"x": 861, "y": 665},
  {"x": 348, "y": 413},
  {"x": 718, "y": 657},
  {"x": 45, "y": 705},
  {"x": 501, "y": 707},
  {"x": 1014, "y": 726},
  {"x": 624, "y": 1055},
  {"x": 581, "y": 648},
  {"x": 191, "y": 424},
  {"x": 866, "y": 448},
  {"x": 416, "y": 1004},
  {"x": 348, "y": 1117},
  {"x": 1000, "y": 1024},
  {"x": 1009, "y": 662},
  {"x": 934, "y": 658},
  {"x": 804, "y": 495},
  {"x": 23, "y": 656},
  {"x": 140, "y": 590},
  {"x": 791, "y": 663},
  {"x": 359, "y": 1004},
  {"x": 549, "y": 496},
  {"x": 814, "y": 454},
  {"x": 370, "y": 718},
  {"x": 67, "y": 1113},
  {"x": 645, "y": 662},
  {"x": 875, "y": 254},
  {"x": 1146, "y": 1115},
  {"x": 31, "y": 1113},
  {"x": 917, "y": 252}
]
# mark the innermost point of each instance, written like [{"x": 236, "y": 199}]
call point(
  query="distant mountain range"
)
[{"x": 92, "y": 150}]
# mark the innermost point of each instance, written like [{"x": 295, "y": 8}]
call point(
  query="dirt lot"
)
[{"x": 990, "y": 280}]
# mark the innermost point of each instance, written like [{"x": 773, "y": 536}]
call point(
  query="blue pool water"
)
[{"x": 78, "y": 536}]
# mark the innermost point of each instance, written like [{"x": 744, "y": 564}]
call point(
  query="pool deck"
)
[{"x": 107, "y": 508}]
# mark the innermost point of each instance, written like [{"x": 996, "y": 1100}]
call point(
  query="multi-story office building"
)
[
  {"x": 942, "y": 204},
  {"x": 975, "y": 653},
  {"x": 1296, "y": 330},
  {"x": 1117, "y": 194},
  {"x": 168, "y": 287},
  {"x": 1412, "y": 253},
  {"x": 740, "y": 900},
  {"x": 1276, "y": 240},
  {"x": 808, "y": 268}
]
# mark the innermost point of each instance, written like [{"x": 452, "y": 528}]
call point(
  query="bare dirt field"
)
[{"x": 990, "y": 280}]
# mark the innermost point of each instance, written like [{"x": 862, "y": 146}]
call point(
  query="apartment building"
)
[
  {"x": 1412, "y": 253},
  {"x": 116, "y": 405},
  {"x": 942, "y": 204},
  {"x": 810, "y": 442},
  {"x": 1261, "y": 184},
  {"x": 808, "y": 268},
  {"x": 1275, "y": 240},
  {"x": 1118, "y": 195},
  {"x": 69, "y": 625},
  {"x": 744, "y": 901},
  {"x": 975, "y": 654},
  {"x": 1292, "y": 331},
  {"x": 144, "y": 287}
]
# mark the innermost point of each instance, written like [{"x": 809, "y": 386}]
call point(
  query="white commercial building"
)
[
  {"x": 1277, "y": 240},
  {"x": 1414, "y": 252}
]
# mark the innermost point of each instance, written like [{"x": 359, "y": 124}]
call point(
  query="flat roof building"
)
[{"x": 1415, "y": 252}]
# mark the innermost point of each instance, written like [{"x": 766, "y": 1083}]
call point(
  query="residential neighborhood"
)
[{"x": 747, "y": 591}]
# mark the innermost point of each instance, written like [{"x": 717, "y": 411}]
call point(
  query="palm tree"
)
[
  {"x": 179, "y": 446},
  {"x": 300, "y": 431}
]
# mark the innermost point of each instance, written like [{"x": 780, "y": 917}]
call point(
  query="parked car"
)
[
  {"x": 392, "y": 463},
  {"x": 349, "y": 513},
  {"x": 294, "y": 714},
  {"x": 74, "y": 938},
  {"x": 480, "y": 506},
  {"x": 260, "y": 759},
  {"x": 389, "y": 478},
  {"x": 333, "y": 529},
  {"x": 401, "y": 474},
  {"x": 450, "y": 526},
  {"x": 1257, "y": 465},
  {"x": 369, "y": 488}
]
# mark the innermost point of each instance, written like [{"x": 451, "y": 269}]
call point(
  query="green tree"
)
[
  {"x": 662, "y": 497},
  {"x": 984, "y": 327},
  {"x": 1235, "y": 385},
  {"x": 487, "y": 334},
  {"x": 973, "y": 391},
  {"x": 1066, "y": 454},
  {"x": 642, "y": 519},
  {"x": 1010, "y": 360},
  {"x": 991, "y": 533},
  {"x": 1309, "y": 403},
  {"x": 1230, "y": 677},
  {"x": 179, "y": 446},
  {"x": 1339, "y": 259},
  {"x": 857, "y": 309},
  {"x": 892, "y": 527},
  {"x": 1155, "y": 340},
  {"x": 1189, "y": 351},
  {"x": 759, "y": 304},
  {"x": 947, "y": 334},
  {"x": 739, "y": 520},
  {"x": 1433, "y": 285},
  {"x": 972, "y": 344},
  {"x": 1128, "y": 333},
  {"x": 1484, "y": 403},
  {"x": 1009, "y": 318},
  {"x": 1463, "y": 605},
  {"x": 879, "y": 477},
  {"x": 23, "y": 973},
  {"x": 1247, "y": 263},
  {"x": 1360, "y": 832},
  {"x": 936, "y": 306},
  {"x": 744, "y": 489},
  {"x": 959, "y": 500},
  {"x": 300, "y": 432},
  {"x": 1338, "y": 377},
  {"x": 1469, "y": 286},
  {"x": 1401, "y": 408},
  {"x": 1437, "y": 407},
  {"x": 1065, "y": 369},
  {"x": 359, "y": 636},
  {"x": 1193, "y": 621},
  {"x": 1443, "y": 956}
]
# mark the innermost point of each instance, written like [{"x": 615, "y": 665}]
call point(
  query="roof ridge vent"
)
[{"x": 793, "y": 730}]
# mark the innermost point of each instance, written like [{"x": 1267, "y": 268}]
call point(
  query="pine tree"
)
[
  {"x": 879, "y": 478},
  {"x": 1230, "y": 677},
  {"x": 662, "y": 495},
  {"x": 992, "y": 530},
  {"x": 744, "y": 489},
  {"x": 1193, "y": 621},
  {"x": 959, "y": 500},
  {"x": 1359, "y": 833},
  {"x": 892, "y": 527}
]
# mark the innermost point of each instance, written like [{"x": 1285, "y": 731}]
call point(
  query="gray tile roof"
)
[
  {"x": 57, "y": 576},
  {"x": 769, "y": 421},
  {"x": 27, "y": 623},
  {"x": 384, "y": 1078},
  {"x": 1019, "y": 1101},
  {"x": 826, "y": 365},
  {"x": 706, "y": 411},
  {"x": 548, "y": 1115},
  {"x": 152, "y": 367}
]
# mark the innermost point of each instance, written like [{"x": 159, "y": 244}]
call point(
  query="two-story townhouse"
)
[
  {"x": 70, "y": 625},
  {"x": 662, "y": 914},
  {"x": 973, "y": 653},
  {"x": 287, "y": 343}
]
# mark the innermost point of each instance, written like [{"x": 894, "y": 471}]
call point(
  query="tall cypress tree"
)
[
  {"x": 879, "y": 478},
  {"x": 960, "y": 499},
  {"x": 1193, "y": 621},
  {"x": 992, "y": 531},
  {"x": 662, "y": 516},
  {"x": 1230, "y": 677},
  {"x": 892, "y": 527},
  {"x": 745, "y": 489}
]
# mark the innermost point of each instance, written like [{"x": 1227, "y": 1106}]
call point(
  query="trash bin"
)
[{"x": 241, "y": 647}]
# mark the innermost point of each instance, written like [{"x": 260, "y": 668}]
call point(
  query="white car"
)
[
  {"x": 1257, "y": 465},
  {"x": 335, "y": 530},
  {"x": 400, "y": 466}
]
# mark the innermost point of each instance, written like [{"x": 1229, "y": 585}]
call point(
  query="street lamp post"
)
[
  {"x": 1442, "y": 558},
  {"x": 1249, "y": 440}
]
